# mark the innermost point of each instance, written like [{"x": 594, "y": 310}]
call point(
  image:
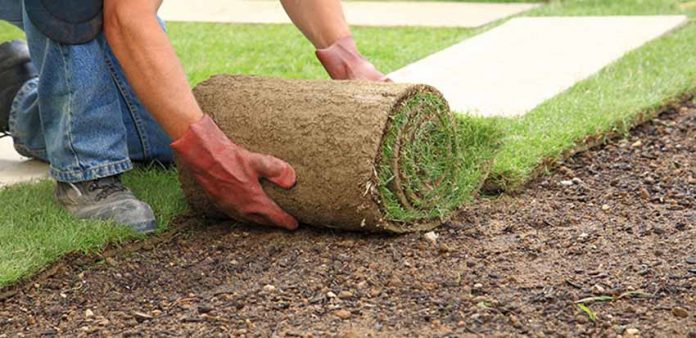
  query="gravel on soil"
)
[{"x": 613, "y": 228}]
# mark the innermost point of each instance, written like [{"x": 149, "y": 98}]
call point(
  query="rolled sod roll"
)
[{"x": 368, "y": 156}]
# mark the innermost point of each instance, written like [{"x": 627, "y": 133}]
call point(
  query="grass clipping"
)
[{"x": 368, "y": 156}]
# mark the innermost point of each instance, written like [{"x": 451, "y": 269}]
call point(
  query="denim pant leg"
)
[
  {"x": 147, "y": 141},
  {"x": 67, "y": 116},
  {"x": 11, "y": 11}
]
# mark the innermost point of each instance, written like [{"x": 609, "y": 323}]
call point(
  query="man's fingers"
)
[
  {"x": 275, "y": 170},
  {"x": 272, "y": 215}
]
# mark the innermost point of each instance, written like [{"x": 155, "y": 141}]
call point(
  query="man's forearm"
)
[
  {"x": 321, "y": 21},
  {"x": 150, "y": 63}
]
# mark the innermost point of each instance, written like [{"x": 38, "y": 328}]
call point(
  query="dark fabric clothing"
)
[{"x": 67, "y": 21}]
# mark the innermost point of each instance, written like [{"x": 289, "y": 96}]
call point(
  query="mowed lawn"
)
[{"x": 34, "y": 232}]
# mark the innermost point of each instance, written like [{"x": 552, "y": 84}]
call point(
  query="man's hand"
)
[
  {"x": 343, "y": 62},
  {"x": 323, "y": 23},
  {"x": 231, "y": 175}
]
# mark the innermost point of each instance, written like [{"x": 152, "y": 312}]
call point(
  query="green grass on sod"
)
[
  {"x": 432, "y": 162},
  {"x": 34, "y": 232}
]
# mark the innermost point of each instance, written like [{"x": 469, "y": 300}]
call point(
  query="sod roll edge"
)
[{"x": 369, "y": 156}]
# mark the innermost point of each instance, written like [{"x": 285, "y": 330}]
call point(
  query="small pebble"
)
[
  {"x": 598, "y": 290},
  {"x": 631, "y": 333},
  {"x": 605, "y": 207},
  {"x": 345, "y": 294},
  {"x": 431, "y": 237},
  {"x": 680, "y": 312},
  {"x": 141, "y": 316},
  {"x": 637, "y": 144},
  {"x": 691, "y": 260},
  {"x": 581, "y": 319},
  {"x": 567, "y": 183},
  {"x": 658, "y": 230},
  {"x": 443, "y": 248},
  {"x": 374, "y": 292},
  {"x": 269, "y": 288},
  {"x": 330, "y": 294},
  {"x": 204, "y": 308},
  {"x": 89, "y": 313},
  {"x": 480, "y": 299},
  {"x": 343, "y": 314}
]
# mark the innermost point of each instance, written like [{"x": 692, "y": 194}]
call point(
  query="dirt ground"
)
[{"x": 617, "y": 221}]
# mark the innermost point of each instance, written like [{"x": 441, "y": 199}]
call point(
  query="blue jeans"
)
[{"x": 80, "y": 115}]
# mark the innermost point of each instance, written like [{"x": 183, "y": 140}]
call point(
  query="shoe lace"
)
[{"x": 106, "y": 187}]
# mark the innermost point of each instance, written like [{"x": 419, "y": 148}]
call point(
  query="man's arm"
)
[
  {"x": 324, "y": 25},
  {"x": 321, "y": 21},
  {"x": 148, "y": 59},
  {"x": 227, "y": 172}
]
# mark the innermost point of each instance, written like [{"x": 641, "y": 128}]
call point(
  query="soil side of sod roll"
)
[{"x": 368, "y": 156}]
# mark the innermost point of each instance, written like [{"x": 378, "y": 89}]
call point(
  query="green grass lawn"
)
[{"x": 34, "y": 232}]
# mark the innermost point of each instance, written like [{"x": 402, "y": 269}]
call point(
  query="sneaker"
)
[
  {"x": 16, "y": 69},
  {"x": 106, "y": 199}
]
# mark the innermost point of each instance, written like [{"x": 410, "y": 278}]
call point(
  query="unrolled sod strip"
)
[{"x": 368, "y": 156}]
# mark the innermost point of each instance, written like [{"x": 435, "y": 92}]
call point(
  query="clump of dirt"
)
[{"x": 617, "y": 223}]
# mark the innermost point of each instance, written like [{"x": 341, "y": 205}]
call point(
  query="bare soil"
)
[{"x": 619, "y": 220}]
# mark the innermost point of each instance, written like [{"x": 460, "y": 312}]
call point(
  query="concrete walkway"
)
[
  {"x": 511, "y": 69},
  {"x": 373, "y": 13},
  {"x": 17, "y": 169}
]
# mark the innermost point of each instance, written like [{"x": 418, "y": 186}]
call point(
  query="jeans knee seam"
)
[{"x": 68, "y": 132}]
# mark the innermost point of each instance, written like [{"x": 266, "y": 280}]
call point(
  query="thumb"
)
[{"x": 275, "y": 170}]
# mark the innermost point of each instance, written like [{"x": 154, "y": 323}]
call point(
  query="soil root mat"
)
[{"x": 368, "y": 156}]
